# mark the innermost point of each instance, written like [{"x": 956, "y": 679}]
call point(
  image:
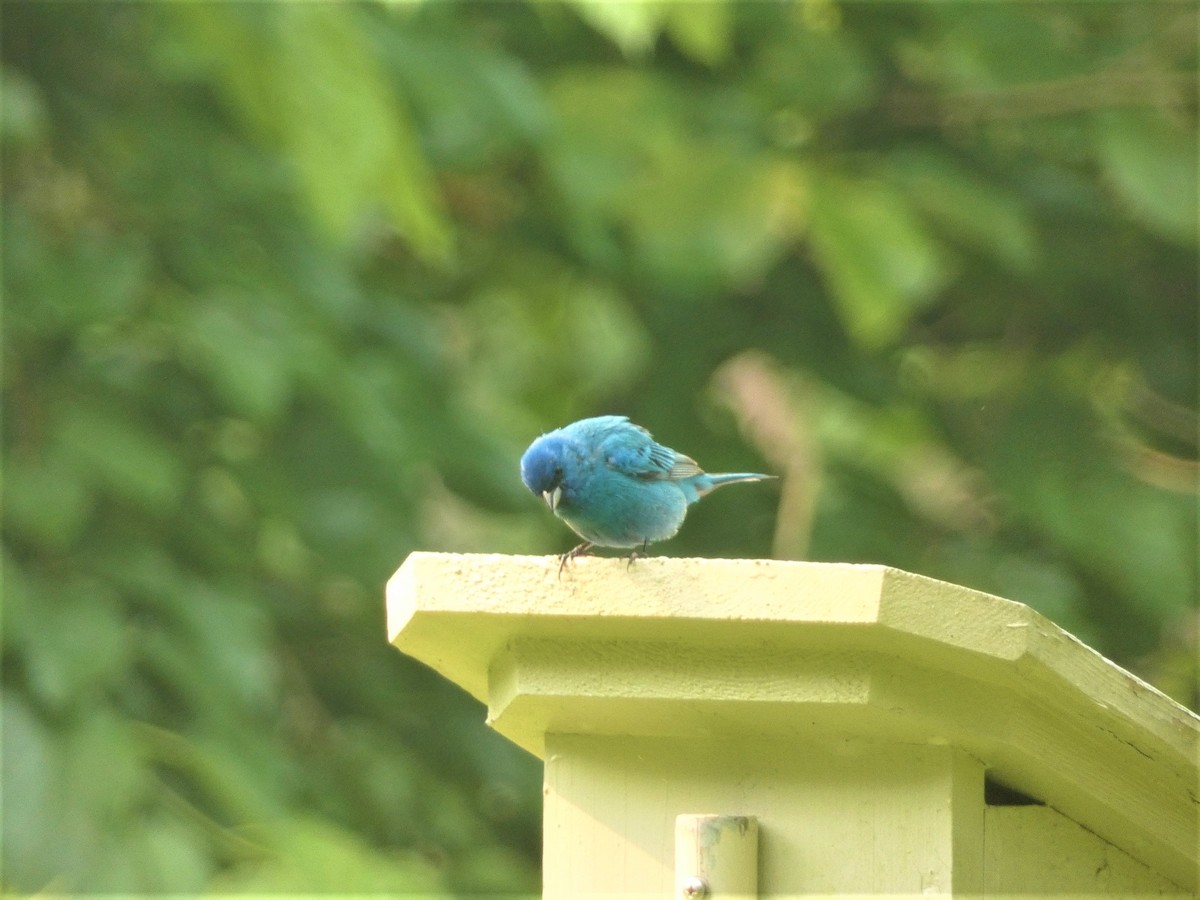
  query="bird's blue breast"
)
[{"x": 612, "y": 509}]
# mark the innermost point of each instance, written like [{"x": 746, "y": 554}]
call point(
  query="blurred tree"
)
[{"x": 288, "y": 288}]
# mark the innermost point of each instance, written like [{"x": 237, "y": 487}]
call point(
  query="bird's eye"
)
[{"x": 558, "y": 475}]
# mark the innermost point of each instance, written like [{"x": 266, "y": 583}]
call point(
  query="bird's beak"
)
[{"x": 552, "y": 498}]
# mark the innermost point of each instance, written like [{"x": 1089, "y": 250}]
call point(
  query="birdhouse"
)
[{"x": 747, "y": 728}]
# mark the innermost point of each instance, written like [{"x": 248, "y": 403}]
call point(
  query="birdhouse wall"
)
[{"x": 843, "y": 817}]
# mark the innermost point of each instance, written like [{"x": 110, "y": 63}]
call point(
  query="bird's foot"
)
[
  {"x": 582, "y": 550},
  {"x": 636, "y": 554}
]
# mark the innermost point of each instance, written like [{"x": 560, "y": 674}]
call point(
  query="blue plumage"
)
[{"x": 613, "y": 485}]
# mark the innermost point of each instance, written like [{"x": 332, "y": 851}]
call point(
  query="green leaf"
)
[
  {"x": 30, "y": 768},
  {"x": 172, "y": 855},
  {"x": 311, "y": 856},
  {"x": 62, "y": 287},
  {"x": 540, "y": 326},
  {"x": 703, "y": 31},
  {"x": 813, "y": 74},
  {"x": 985, "y": 47},
  {"x": 115, "y": 452},
  {"x": 299, "y": 76},
  {"x": 240, "y": 349},
  {"x": 46, "y": 501},
  {"x": 593, "y": 164},
  {"x": 882, "y": 264},
  {"x": 1138, "y": 540},
  {"x": 1151, "y": 164},
  {"x": 80, "y": 646},
  {"x": 102, "y": 769},
  {"x": 968, "y": 209},
  {"x": 476, "y": 105},
  {"x": 23, "y": 114},
  {"x": 633, "y": 26},
  {"x": 221, "y": 779},
  {"x": 703, "y": 215}
]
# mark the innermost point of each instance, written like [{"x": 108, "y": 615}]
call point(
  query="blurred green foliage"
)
[{"x": 289, "y": 287}]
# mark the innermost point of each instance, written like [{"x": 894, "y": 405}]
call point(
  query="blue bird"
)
[{"x": 614, "y": 485}]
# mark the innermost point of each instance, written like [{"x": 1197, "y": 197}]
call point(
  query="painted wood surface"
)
[{"x": 768, "y": 665}]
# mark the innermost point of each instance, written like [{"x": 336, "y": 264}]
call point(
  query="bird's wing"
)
[
  {"x": 630, "y": 449},
  {"x": 685, "y": 467}
]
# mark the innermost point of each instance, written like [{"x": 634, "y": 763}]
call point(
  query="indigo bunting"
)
[{"x": 614, "y": 485}]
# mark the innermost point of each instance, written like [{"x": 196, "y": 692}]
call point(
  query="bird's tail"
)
[{"x": 710, "y": 483}]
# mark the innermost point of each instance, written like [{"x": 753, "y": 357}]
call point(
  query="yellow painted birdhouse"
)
[{"x": 754, "y": 728}]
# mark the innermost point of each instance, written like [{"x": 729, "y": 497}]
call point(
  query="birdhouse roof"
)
[{"x": 703, "y": 648}]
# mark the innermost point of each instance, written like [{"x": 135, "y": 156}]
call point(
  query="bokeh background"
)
[{"x": 288, "y": 288}]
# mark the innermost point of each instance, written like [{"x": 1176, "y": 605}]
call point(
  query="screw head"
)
[{"x": 694, "y": 888}]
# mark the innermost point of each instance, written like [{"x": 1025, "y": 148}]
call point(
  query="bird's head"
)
[{"x": 542, "y": 469}]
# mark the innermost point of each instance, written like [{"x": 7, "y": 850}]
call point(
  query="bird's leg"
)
[
  {"x": 564, "y": 558},
  {"x": 635, "y": 553}
]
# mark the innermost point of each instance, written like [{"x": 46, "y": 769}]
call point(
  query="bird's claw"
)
[
  {"x": 636, "y": 554},
  {"x": 564, "y": 558},
  {"x": 586, "y": 548}
]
